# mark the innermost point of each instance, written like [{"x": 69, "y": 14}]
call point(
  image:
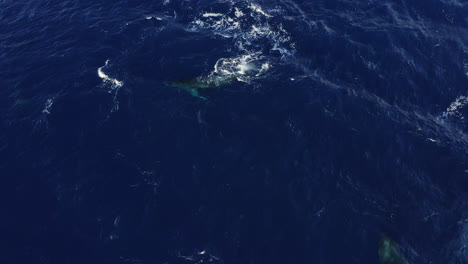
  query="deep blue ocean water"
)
[{"x": 341, "y": 121}]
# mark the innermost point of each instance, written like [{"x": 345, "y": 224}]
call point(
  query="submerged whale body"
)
[
  {"x": 195, "y": 85},
  {"x": 389, "y": 252}
]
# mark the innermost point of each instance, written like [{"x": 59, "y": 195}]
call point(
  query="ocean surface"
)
[{"x": 233, "y": 131}]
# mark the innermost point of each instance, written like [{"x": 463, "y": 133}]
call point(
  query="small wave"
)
[
  {"x": 455, "y": 3},
  {"x": 465, "y": 66},
  {"x": 48, "y": 106},
  {"x": 203, "y": 256},
  {"x": 461, "y": 242},
  {"x": 433, "y": 128}
]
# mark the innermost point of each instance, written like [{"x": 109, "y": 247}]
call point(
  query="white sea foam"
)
[
  {"x": 212, "y": 15},
  {"x": 222, "y": 26},
  {"x": 265, "y": 67},
  {"x": 245, "y": 30},
  {"x": 244, "y": 67},
  {"x": 115, "y": 85},
  {"x": 259, "y": 10},
  {"x": 455, "y": 107},
  {"x": 48, "y": 106},
  {"x": 250, "y": 27},
  {"x": 106, "y": 77},
  {"x": 238, "y": 13},
  {"x": 155, "y": 17}
]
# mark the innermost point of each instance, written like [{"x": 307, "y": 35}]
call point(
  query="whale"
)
[
  {"x": 195, "y": 85},
  {"x": 226, "y": 72}
]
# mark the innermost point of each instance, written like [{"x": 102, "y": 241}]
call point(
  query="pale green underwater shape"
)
[
  {"x": 195, "y": 85},
  {"x": 389, "y": 252},
  {"x": 22, "y": 102}
]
